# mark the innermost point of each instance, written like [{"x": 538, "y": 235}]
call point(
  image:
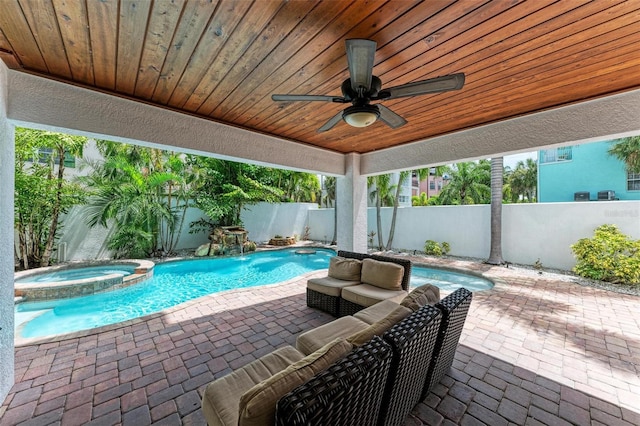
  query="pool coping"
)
[{"x": 22, "y": 341}]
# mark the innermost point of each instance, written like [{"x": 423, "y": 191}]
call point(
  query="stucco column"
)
[
  {"x": 352, "y": 207},
  {"x": 6, "y": 241}
]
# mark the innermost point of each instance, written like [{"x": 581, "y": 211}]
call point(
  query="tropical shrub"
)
[
  {"x": 608, "y": 256},
  {"x": 436, "y": 249}
]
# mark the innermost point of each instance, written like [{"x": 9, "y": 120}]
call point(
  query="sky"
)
[{"x": 512, "y": 160}]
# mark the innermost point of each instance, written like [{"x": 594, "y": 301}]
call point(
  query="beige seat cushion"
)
[
  {"x": 426, "y": 294},
  {"x": 387, "y": 275},
  {"x": 329, "y": 285},
  {"x": 220, "y": 402},
  {"x": 258, "y": 404},
  {"x": 344, "y": 268},
  {"x": 367, "y": 295},
  {"x": 312, "y": 340},
  {"x": 379, "y": 327},
  {"x": 375, "y": 313}
]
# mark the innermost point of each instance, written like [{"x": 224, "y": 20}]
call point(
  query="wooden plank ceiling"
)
[{"x": 223, "y": 59}]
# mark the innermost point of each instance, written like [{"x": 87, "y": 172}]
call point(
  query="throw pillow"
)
[
  {"x": 426, "y": 294},
  {"x": 379, "y": 327},
  {"x": 346, "y": 269},
  {"x": 387, "y": 275}
]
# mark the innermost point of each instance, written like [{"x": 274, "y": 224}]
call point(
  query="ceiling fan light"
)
[{"x": 361, "y": 116}]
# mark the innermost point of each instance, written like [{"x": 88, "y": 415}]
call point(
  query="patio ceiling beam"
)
[
  {"x": 42, "y": 103},
  {"x": 609, "y": 117}
]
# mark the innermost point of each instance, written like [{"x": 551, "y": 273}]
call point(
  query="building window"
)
[
  {"x": 403, "y": 199},
  {"x": 633, "y": 181},
  {"x": 44, "y": 156},
  {"x": 432, "y": 185},
  {"x": 555, "y": 155}
]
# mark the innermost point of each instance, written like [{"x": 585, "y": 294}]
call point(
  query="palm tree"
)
[
  {"x": 438, "y": 171},
  {"x": 627, "y": 150},
  {"x": 523, "y": 181},
  {"x": 331, "y": 200},
  {"x": 469, "y": 184},
  {"x": 403, "y": 177},
  {"x": 497, "y": 169},
  {"x": 380, "y": 192},
  {"x": 131, "y": 191}
]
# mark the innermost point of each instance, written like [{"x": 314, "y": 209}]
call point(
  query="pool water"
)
[
  {"x": 179, "y": 281},
  {"x": 448, "y": 281},
  {"x": 78, "y": 274},
  {"x": 172, "y": 283}
]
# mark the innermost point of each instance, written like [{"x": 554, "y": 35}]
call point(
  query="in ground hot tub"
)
[{"x": 73, "y": 280}]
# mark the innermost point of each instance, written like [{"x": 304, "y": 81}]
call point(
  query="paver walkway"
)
[{"x": 533, "y": 351}]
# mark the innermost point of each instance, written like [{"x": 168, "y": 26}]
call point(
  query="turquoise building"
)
[{"x": 584, "y": 172}]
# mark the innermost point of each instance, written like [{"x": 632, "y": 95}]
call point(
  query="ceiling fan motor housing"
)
[{"x": 354, "y": 97}]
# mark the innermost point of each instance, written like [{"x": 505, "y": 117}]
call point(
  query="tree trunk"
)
[
  {"x": 393, "y": 216},
  {"x": 334, "y": 240},
  {"x": 379, "y": 220},
  {"x": 495, "y": 255},
  {"x": 55, "y": 213}
]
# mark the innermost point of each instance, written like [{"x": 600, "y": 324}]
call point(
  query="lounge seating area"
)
[
  {"x": 371, "y": 368},
  {"x": 357, "y": 280}
]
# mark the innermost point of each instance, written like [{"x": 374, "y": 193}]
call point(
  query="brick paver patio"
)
[{"x": 533, "y": 351}]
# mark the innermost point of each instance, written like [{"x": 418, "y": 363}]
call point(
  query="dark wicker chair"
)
[
  {"x": 412, "y": 341},
  {"x": 347, "y": 393},
  {"x": 333, "y": 304},
  {"x": 346, "y": 307},
  {"x": 454, "y": 309}
]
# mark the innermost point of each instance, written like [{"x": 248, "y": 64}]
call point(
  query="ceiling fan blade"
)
[
  {"x": 390, "y": 118},
  {"x": 332, "y": 122},
  {"x": 432, "y": 85},
  {"x": 308, "y": 98},
  {"x": 360, "y": 57}
]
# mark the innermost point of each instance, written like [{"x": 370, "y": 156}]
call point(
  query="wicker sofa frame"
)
[
  {"x": 412, "y": 341},
  {"x": 382, "y": 381},
  {"x": 347, "y": 393},
  {"x": 339, "y": 307},
  {"x": 454, "y": 309}
]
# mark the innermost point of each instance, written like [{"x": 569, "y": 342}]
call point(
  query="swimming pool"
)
[
  {"x": 172, "y": 283},
  {"x": 447, "y": 280}
]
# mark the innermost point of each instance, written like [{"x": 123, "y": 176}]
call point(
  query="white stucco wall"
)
[
  {"x": 6, "y": 242},
  {"x": 265, "y": 220},
  {"x": 530, "y": 232}
]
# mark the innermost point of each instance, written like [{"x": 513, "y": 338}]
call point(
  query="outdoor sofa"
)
[
  {"x": 374, "y": 377},
  {"x": 357, "y": 280}
]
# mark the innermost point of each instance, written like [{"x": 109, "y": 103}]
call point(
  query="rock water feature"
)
[{"x": 226, "y": 240}]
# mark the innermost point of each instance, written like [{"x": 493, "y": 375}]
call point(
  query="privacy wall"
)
[{"x": 530, "y": 232}]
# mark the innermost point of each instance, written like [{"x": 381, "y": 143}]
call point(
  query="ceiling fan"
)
[{"x": 362, "y": 87}]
